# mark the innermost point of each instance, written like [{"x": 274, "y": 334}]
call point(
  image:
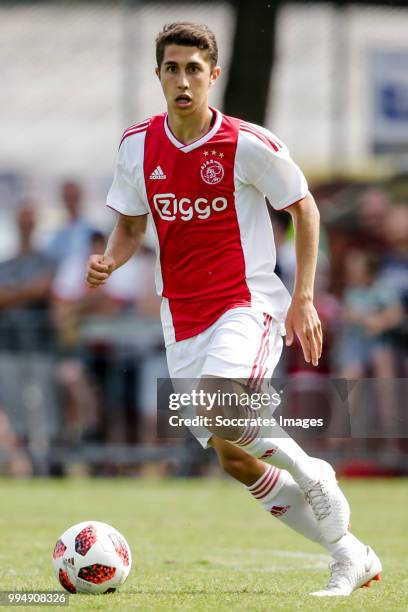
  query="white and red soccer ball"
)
[{"x": 91, "y": 557}]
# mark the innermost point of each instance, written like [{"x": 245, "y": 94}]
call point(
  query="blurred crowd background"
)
[{"x": 78, "y": 367}]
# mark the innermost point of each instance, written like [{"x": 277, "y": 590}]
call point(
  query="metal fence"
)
[{"x": 94, "y": 408}]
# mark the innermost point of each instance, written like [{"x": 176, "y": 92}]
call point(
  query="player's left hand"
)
[{"x": 303, "y": 320}]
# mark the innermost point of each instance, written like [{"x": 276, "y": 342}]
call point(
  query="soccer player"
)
[{"x": 203, "y": 177}]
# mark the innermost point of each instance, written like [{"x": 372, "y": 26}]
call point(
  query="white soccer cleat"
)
[
  {"x": 348, "y": 575},
  {"x": 328, "y": 503}
]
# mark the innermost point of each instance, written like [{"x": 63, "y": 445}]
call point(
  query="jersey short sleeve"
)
[
  {"x": 265, "y": 162},
  {"x": 127, "y": 194}
]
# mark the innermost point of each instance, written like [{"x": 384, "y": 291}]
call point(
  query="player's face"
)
[{"x": 186, "y": 76}]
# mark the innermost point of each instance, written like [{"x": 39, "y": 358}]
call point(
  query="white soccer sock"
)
[
  {"x": 282, "y": 452},
  {"x": 348, "y": 547},
  {"x": 282, "y": 497}
]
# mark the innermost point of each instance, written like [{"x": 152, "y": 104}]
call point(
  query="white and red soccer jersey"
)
[{"x": 215, "y": 246}]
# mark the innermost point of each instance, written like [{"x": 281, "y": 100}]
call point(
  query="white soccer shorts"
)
[{"x": 242, "y": 344}]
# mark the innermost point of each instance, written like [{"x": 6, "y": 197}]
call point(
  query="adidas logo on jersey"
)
[{"x": 157, "y": 174}]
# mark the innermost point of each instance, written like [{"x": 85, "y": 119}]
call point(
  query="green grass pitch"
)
[{"x": 200, "y": 544}]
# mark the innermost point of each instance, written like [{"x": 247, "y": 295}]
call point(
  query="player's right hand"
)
[{"x": 100, "y": 267}]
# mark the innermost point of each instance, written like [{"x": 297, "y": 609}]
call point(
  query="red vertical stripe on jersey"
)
[{"x": 193, "y": 208}]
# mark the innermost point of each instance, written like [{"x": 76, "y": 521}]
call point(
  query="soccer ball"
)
[{"x": 91, "y": 557}]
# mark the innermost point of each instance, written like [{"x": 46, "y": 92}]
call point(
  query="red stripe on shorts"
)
[
  {"x": 262, "y": 368},
  {"x": 261, "y": 352}
]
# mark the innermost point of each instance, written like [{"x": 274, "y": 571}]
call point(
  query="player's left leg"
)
[
  {"x": 354, "y": 563},
  {"x": 245, "y": 345},
  {"x": 315, "y": 477}
]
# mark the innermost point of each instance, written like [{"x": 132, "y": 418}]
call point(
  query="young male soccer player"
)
[{"x": 203, "y": 178}]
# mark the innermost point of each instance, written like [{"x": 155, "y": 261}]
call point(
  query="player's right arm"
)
[
  {"x": 128, "y": 198},
  {"x": 126, "y": 238}
]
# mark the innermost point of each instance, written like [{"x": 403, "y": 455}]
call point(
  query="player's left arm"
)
[
  {"x": 265, "y": 162},
  {"x": 302, "y": 318}
]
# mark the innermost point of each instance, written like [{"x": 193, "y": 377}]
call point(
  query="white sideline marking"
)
[
  {"x": 278, "y": 553},
  {"x": 316, "y": 560},
  {"x": 301, "y": 555}
]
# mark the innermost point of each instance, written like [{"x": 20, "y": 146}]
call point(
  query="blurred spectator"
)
[
  {"x": 354, "y": 222},
  {"x": 70, "y": 304},
  {"x": 394, "y": 274},
  {"x": 285, "y": 248},
  {"x": 26, "y": 343},
  {"x": 118, "y": 294},
  {"x": 16, "y": 461},
  {"x": 124, "y": 291},
  {"x": 374, "y": 205},
  {"x": 371, "y": 310},
  {"x": 75, "y": 236},
  {"x": 25, "y": 288},
  {"x": 309, "y": 385},
  {"x": 100, "y": 377}
]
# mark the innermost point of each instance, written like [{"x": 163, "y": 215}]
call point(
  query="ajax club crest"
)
[{"x": 212, "y": 172}]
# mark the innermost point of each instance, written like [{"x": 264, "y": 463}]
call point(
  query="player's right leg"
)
[{"x": 354, "y": 564}]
